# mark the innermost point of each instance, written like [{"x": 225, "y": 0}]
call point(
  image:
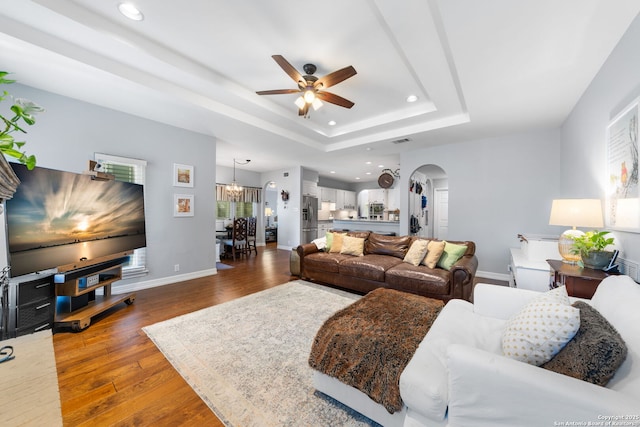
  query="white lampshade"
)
[
  {"x": 577, "y": 213},
  {"x": 574, "y": 213}
]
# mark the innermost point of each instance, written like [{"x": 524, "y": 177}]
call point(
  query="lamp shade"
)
[{"x": 577, "y": 213}]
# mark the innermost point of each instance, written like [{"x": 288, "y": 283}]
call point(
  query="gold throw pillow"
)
[
  {"x": 336, "y": 245},
  {"x": 434, "y": 252},
  {"x": 352, "y": 246}
]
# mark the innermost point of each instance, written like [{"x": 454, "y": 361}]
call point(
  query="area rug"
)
[
  {"x": 248, "y": 358},
  {"x": 29, "y": 382}
]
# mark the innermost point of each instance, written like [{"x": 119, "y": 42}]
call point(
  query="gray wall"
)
[
  {"x": 69, "y": 132},
  {"x": 584, "y": 135},
  {"x": 498, "y": 187}
]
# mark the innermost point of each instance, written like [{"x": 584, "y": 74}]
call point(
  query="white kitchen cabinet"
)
[
  {"x": 377, "y": 196},
  {"x": 393, "y": 199},
  {"x": 345, "y": 200},
  {"x": 328, "y": 194},
  {"x": 350, "y": 200}
]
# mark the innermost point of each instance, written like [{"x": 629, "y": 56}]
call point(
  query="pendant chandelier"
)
[{"x": 234, "y": 190}]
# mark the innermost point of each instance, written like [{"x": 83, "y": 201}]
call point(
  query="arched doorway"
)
[
  {"x": 429, "y": 202},
  {"x": 270, "y": 213}
]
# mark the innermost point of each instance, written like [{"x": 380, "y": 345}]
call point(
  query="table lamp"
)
[
  {"x": 574, "y": 213},
  {"x": 268, "y": 212}
]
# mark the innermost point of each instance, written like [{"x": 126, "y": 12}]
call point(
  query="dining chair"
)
[
  {"x": 238, "y": 240},
  {"x": 251, "y": 235}
]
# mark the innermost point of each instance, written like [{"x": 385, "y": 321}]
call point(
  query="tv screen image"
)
[{"x": 57, "y": 218}]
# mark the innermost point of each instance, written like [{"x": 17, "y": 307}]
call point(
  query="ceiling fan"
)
[{"x": 310, "y": 87}]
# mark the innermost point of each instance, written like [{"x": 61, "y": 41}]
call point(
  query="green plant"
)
[
  {"x": 590, "y": 241},
  {"x": 24, "y": 110}
]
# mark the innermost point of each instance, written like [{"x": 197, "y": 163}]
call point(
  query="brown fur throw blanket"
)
[{"x": 368, "y": 344}]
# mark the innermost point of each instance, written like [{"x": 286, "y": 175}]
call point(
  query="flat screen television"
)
[{"x": 66, "y": 220}]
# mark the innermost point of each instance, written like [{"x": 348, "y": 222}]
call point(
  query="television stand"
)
[{"x": 76, "y": 299}]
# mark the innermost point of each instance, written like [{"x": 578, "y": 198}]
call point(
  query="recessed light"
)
[
  {"x": 332, "y": 123},
  {"x": 332, "y": 172},
  {"x": 412, "y": 98},
  {"x": 380, "y": 166},
  {"x": 357, "y": 177},
  {"x": 367, "y": 173},
  {"x": 130, "y": 11},
  {"x": 367, "y": 163}
]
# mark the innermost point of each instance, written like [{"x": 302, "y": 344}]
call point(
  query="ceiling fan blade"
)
[
  {"x": 335, "y": 77},
  {"x": 335, "y": 99},
  {"x": 277, "y": 91},
  {"x": 288, "y": 68}
]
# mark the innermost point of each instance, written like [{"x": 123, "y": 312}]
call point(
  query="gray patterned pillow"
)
[{"x": 594, "y": 353}]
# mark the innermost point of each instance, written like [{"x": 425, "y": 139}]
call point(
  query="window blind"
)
[{"x": 127, "y": 170}]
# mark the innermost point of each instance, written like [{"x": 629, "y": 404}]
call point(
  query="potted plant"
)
[
  {"x": 591, "y": 246},
  {"x": 22, "y": 110}
]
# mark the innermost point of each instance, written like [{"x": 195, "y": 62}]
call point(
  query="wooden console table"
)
[{"x": 580, "y": 282}]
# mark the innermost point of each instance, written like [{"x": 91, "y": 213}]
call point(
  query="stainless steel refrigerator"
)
[{"x": 309, "y": 219}]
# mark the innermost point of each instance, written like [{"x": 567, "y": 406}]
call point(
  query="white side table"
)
[{"x": 528, "y": 274}]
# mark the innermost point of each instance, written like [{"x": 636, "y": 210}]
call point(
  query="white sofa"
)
[{"x": 459, "y": 377}]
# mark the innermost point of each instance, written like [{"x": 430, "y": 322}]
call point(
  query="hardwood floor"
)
[{"x": 112, "y": 374}]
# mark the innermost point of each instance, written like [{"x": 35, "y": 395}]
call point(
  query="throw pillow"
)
[
  {"x": 434, "y": 252},
  {"x": 595, "y": 352},
  {"x": 540, "y": 330},
  {"x": 352, "y": 246},
  {"x": 452, "y": 253},
  {"x": 416, "y": 252},
  {"x": 558, "y": 295},
  {"x": 336, "y": 244},
  {"x": 329, "y": 237}
]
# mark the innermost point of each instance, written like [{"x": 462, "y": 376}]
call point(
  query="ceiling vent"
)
[{"x": 400, "y": 141}]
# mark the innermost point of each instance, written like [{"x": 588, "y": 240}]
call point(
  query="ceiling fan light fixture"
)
[
  {"x": 299, "y": 102},
  {"x": 316, "y": 104},
  {"x": 130, "y": 11},
  {"x": 309, "y": 96}
]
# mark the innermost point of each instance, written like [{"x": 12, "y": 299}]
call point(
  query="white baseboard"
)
[{"x": 138, "y": 286}]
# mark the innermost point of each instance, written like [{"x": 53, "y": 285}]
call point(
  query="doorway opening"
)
[
  {"x": 271, "y": 213},
  {"x": 429, "y": 202}
]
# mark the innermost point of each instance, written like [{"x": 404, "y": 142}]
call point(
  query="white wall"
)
[
  {"x": 584, "y": 135},
  {"x": 69, "y": 132},
  {"x": 498, "y": 187}
]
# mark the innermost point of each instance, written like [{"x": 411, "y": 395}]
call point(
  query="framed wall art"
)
[
  {"x": 182, "y": 175},
  {"x": 183, "y": 205},
  {"x": 622, "y": 207}
]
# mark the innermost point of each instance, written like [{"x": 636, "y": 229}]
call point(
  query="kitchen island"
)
[{"x": 376, "y": 226}]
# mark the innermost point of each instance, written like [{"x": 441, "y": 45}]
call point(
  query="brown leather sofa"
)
[{"x": 382, "y": 266}]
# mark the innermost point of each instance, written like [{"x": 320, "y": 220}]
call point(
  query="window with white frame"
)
[{"x": 127, "y": 170}]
